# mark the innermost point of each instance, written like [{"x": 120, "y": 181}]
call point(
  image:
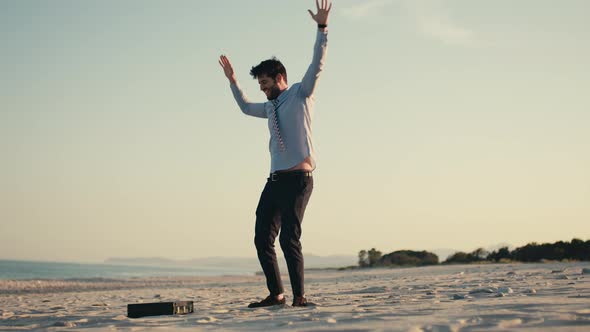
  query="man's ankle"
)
[{"x": 280, "y": 296}]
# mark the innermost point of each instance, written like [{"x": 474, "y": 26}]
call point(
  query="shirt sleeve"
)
[
  {"x": 248, "y": 108},
  {"x": 312, "y": 75}
]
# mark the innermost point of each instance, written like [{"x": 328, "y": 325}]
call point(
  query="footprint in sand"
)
[
  {"x": 64, "y": 324},
  {"x": 530, "y": 291},
  {"x": 7, "y": 314},
  {"x": 370, "y": 290},
  {"x": 483, "y": 291},
  {"x": 460, "y": 297},
  {"x": 207, "y": 320},
  {"x": 509, "y": 323},
  {"x": 100, "y": 305},
  {"x": 220, "y": 311}
]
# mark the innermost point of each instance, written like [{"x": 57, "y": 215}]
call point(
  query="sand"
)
[{"x": 491, "y": 297}]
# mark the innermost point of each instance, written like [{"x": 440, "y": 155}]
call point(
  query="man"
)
[{"x": 288, "y": 189}]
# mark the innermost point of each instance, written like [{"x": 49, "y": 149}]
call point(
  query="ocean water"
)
[{"x": 18, "y": 270}]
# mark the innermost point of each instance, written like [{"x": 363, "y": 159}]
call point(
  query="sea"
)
[{"x": 23, "y": 270}]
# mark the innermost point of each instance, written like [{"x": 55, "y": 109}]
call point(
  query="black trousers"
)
[{"x": 281, "y": 208}]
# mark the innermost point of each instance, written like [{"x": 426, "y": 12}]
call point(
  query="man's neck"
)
[{"x": 281, "y": 92}]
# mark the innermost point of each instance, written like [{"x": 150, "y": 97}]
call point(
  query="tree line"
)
[{"x": 576, "y": 250}]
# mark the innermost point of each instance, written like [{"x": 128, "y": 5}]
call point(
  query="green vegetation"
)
[
  {"x": 576, "y": 250},
  {"x": 374, "y": 258}
]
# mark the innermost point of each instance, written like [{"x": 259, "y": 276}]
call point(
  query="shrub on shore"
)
[
  {"x": 575, "y": 250},
  {"x": 373, "y": 258}
]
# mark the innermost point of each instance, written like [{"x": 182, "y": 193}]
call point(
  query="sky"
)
[{"x": 438, "y": 124}]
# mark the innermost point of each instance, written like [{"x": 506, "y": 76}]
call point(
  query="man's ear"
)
[{"x": 281, "y": 79}]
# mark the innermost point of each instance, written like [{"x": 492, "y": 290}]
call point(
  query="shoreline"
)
[
  {"x": 57, "y": 285},
  {"x": 536, "y": 296}
]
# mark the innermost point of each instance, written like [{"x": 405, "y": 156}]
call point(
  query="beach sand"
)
[{"x": 490, "y": 297}]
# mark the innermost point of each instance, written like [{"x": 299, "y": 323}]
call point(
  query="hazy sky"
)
[{"x": 438, "y": 124}]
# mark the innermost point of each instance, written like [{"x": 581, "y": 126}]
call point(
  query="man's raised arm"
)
[
  {"x": 320, "y": 49},
  {"x": 253, "y": 109}
]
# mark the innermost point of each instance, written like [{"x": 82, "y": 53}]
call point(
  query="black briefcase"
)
[{"x": 159, "y": 308}]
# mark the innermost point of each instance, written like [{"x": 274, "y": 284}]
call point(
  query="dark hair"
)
[{"x": 271, "y": 68}]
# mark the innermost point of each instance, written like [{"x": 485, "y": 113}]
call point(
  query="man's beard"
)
[{"x": 274, "y": 92}]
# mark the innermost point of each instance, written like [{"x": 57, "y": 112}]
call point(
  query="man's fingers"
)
[
  {"x": 225, "y": 61},
  {"x": 325, "y": 6}
]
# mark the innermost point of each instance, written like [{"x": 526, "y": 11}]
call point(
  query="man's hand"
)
[
  {"x": 323, "y": 12},
  {"x": 228, "y": 70}
]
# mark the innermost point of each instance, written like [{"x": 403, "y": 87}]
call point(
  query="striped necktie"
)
[{"x": 275, "y": 125}]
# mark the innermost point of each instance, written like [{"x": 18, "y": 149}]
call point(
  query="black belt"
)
[{"x": 276, "y": 176}]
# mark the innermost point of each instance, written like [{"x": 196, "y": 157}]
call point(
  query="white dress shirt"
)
[{"x": 291, "y": 134}]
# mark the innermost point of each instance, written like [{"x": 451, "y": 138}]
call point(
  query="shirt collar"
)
[{"x": 281, "y": 98}]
